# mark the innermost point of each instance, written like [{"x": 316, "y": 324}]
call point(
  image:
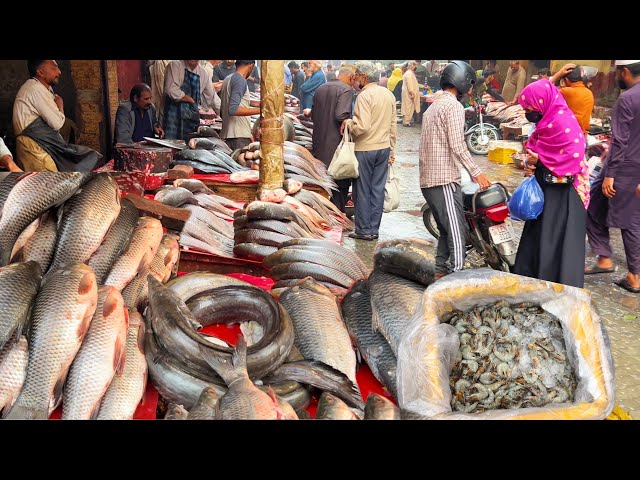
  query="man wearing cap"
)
[
  {"x": 578, "y": 97},
  {"x": 374, "y": 129},
  {"x": 613, "y": 200}
]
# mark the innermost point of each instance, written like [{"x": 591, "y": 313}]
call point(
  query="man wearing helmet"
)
[{"x": 442, "y": 151}]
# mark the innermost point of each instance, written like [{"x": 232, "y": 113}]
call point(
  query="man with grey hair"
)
[
  {"x": 315, "y": 78},
  {"x": 332, "y": 104},
  {"x": 374, "y": 130}
]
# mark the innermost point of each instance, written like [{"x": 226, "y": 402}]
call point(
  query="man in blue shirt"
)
[
  {"x": 137, "y": 118},
  {"x": 315, "y": 78}
]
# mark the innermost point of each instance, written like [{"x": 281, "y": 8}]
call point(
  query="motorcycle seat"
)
[{"x": 485, "y": 199}]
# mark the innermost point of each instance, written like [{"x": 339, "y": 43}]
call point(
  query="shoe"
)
[
  {"x": 623, "y": 282},
  {"x": 597, "y": 269},
  {"x": 360, "y": 236}
]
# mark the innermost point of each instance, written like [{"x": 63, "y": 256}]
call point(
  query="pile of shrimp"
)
[{"x": 511, "y": 356}]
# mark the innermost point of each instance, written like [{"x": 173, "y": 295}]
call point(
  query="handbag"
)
[
  {"x": 344, "y": 163},
  {"x": 391, "y": 190}
]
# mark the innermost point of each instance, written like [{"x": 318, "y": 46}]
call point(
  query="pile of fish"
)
[
  {"x": 511, "y": 356},
  {"x": 377, "y": 310},
  {"x": 208, "y": 131},
  {"x": 209, "y": 143},
  {"x": 299, "y": 165},
  {"x": 298, "y": 343},
  {"x": 291, "y": 103},
  {"x": 207, "y": 161},
  {"x": 210, "y": 118},
  {"x": 209, "y": 226},
  {"x": 334, "y": 266},
  {"x": 81, "y": 257},
  {"x": 261, "y": 227}
]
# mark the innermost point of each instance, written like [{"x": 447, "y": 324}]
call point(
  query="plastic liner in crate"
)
[{"x": 428, "y": 347}]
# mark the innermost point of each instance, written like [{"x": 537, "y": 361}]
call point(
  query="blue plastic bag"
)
[{"x": 527, "y": 201}]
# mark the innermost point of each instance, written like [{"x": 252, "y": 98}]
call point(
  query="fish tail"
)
[
  {"x": 229, "y": 369},
  {"x": 21, "y": 412}
]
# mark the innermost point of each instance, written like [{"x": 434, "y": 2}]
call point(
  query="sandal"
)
[
  {"x": 596, "y": 269},
  {"x": 624, "y": 283}
]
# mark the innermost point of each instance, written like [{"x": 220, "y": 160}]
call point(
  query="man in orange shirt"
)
[{"x": 578, "y": 97}]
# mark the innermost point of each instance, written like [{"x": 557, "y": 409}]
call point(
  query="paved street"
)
[{"x": 619, "y": 309}]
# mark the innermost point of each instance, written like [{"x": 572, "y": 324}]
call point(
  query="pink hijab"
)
[{"x": 558, "y": 138}]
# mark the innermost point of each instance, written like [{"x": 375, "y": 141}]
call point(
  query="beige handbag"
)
[
  {"x": 391, "y": 190},
  {"x": 344, "y": 163}
]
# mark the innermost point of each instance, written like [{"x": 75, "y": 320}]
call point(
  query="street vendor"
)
[
  {"x": 514, "y": 83},
  {"x": 38, "y": 116},
  {"x": 187, "y": 85},
  {"x": 235, "y": 108},
  {"x": 137, "y": 118}
]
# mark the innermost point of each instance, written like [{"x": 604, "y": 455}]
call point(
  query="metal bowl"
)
[{"x": 519, "y": 159}]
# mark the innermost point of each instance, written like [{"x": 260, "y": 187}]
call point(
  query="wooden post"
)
[{"x": 271, "y": 125}]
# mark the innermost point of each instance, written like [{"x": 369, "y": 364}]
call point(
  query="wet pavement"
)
[{"x": 619, "y": 309}]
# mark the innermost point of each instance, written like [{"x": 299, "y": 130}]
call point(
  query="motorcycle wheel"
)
[
  {"x": 430, "y": 223},
  {"x": 479, "y": 145}
]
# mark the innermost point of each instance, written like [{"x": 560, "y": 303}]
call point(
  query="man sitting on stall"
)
[
  {"x": 235, "y": 108},
  {"x": 137, "y": 118},
  {"x": 38, "y": 116}
]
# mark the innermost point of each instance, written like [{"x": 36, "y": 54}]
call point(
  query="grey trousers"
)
[
  {"x": 368, "y": 190},
  {"x": 445, "y": 202}
]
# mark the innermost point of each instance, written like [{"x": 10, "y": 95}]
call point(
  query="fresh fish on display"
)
[
  {"x": 176, "y": 412},
  {"x": 411, "y": 258},
  {"x": 125, "y": 391},
  {"x": 86, "y": 218},
  {"x": 206, "y": 408},
  {"x": 380, "y": 408},
  {"x": 41, "y": 246},
  {"x": 332, "y": 408},
  {"x": 60, "y": 319},
  {"x": 30, "y": 198},
  {"x": 253, "y": 251},
  {"x": 13, "y": 370},
  {"x": 116, "y": 241},
  {"x": 175, "y": 196}
]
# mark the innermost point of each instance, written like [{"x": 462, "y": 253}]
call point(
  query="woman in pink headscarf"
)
[{"x": 552, "y": 247}]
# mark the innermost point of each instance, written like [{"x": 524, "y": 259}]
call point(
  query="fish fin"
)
[
  {"x": 279, "y": 413},
  {"x": 110, "y": 302},
  {"x": 239, "y": 358},
  {"x": 143, "y": 399},
  {"x": 228, "y": 368},
  {"x": 20, "y": 412},
  {"x": 120, "y": 353},
  {"x": 93, "y": 415},
  {"x": 59, "y": 388},
  {"x": 141, "y": 334}
]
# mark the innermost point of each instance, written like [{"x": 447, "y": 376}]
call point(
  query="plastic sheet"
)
[
  {"x": 428, "y": 348},
  {"x": 527, "y": 201}
]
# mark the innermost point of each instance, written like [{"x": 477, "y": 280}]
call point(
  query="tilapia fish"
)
[
  {"x": 374, "y": 348},
  {"x": 61, "y": 317},
  {"x": 125, "y": 391},
  {"x": 380, "y": 408},
  {"x": 13, "y": 370},
  {"x": 332, "y": 408},
  {"x": 144, "y": 244},
  {"x": 30, "y": 198},
  {"x": 41, "y": 246},
  {"x": 411, "y": 258},
  {"x": 19, "y": 284},
  {"x": 206, "y": 408},
  {"x": 320, "y": 332},
  {"x": 243, "y": 400},
  {"x": 101, "y": 356},
  {"x": 86, "y": 218},
  {"x": 393, "y": 303},
  {"x": 115, "y": 241}
]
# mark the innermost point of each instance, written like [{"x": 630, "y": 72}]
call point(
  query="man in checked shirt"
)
[{"x": 442, "y": 150}]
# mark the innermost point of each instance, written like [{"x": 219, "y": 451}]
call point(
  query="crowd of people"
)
[{"x": 362, "y": 99}]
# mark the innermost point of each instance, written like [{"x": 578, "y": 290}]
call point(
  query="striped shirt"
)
[{"x": 442, "y": 145}]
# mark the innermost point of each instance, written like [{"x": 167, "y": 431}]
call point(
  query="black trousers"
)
[{"x": 339, "y": 197}]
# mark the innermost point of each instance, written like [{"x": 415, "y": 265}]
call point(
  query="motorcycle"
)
[
  {"x": 478, "y": 131},
  {"x": 490, "y": 231}
]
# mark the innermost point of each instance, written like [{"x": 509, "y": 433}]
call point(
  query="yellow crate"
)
[{"x": 501, "y": 155}]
